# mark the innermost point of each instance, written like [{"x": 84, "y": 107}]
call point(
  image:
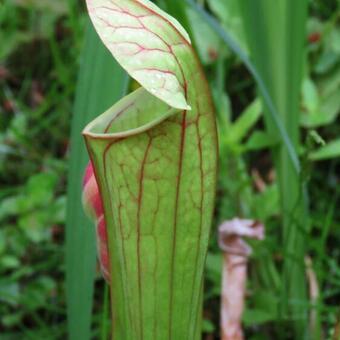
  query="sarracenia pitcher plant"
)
[{"x": 154, "y": 156}]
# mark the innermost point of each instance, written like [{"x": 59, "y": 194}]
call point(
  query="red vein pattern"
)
[
  {"x": 157, "y": 186},
  {"x": 155, "y": 35}
]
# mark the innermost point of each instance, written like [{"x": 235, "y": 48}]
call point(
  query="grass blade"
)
[
  {"x": 276, "y": 37},
  {"x": 101, "y": 82}
]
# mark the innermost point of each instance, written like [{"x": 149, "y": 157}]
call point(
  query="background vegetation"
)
[{"x": 42, "y": 42}]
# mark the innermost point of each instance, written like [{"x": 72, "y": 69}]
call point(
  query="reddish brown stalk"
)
[{"x": 235, "y": 259}]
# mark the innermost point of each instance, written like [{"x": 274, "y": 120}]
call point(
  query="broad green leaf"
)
[
  {"x": 329, "y": 151},
  {"x": 324, "y": 114},
  {"x": 155, "y": 164},
  {"x": 310, "y": 95},
  {"x": 321, "y": 102}
]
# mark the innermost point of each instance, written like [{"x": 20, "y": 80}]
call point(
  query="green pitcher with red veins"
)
[{"x": 153, "y": 182}]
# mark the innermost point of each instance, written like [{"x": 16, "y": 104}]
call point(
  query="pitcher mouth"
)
[{"x": 132, "y": 115}]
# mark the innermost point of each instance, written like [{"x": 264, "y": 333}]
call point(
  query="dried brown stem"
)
[{"x": 235, "y": 259}]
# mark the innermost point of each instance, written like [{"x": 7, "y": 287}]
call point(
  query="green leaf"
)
[
  {"x": 261, "y": 140},
  {"x": 144, "y": 46},
  {"x": 35, "y": 225},
  {"x": 155, "y": 165},
  {"x": 329, "y": 151},
  {"x": 101, "y": 82},
  {"x": 257, "y": 316},
  {"x": 321, "y": 101},
  {"x": 40, "y": 188},
  {"x": 9, "y": 292},
  {"x": 9, "y": 206},
  {"x": 324, "y": 114},
  {"x": 245, "y": 122},
  {"x": 208, "y": 326},
  {"x": 9, "y": 262},
  {"x": 310, "y": 95}
]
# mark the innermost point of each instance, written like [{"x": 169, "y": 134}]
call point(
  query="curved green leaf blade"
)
[{"x": 155, "y": 165}]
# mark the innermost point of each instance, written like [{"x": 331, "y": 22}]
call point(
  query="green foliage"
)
[
  {"x": 30, "y": 222},
  {"x": 331, "y": 150},
  {"x": 279, "y": 60},
  {"x": 36, "y": 104},
  {"x": 33, "y": 134}
]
